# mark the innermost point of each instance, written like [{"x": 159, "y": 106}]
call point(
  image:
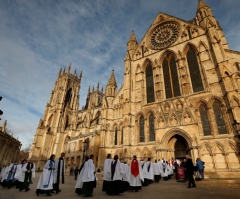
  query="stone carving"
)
[{"x": 164, "y": 35}]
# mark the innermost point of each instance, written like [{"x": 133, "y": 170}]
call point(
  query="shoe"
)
[
  {"x": 20, "y": 189},
  {"x": 194, "y": 186},
  {"x": 37, "y": 194},
  {"x": 48, "y": 194},
  {"x": 27, "y": 189},
  {"x": 57, "y": 191},
  {"x": 188, "y": 187}
]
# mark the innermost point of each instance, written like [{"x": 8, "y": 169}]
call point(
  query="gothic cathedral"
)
[{"x": 180, "y": 96}]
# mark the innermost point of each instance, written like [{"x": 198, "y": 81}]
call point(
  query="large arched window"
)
[
  {"x": 149, "y": 84},
  {"x": 204, "y": 119},
  {"x": 170, "y": 75},
  {"x": 151, "y": 128},
  {"x": 141, "y": 129},
  {"x": 115, "y": 136},
  {"x": 193, "y": 66},
  {"x": 219, "y": 118},
  {"x": 68, "y": 97}
]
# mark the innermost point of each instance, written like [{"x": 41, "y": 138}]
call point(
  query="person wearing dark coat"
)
[{"x": 189, "y": 172}]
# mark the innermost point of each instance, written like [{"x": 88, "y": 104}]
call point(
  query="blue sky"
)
[{"x": 38, "y": 37}]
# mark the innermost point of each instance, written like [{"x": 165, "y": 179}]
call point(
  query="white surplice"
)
[
  {"x": 136, "y": 181},
  {"x": 106, "y": 174},
  {"x": 89, "y": 171},
  {"x": 46, "y": 179},
  {"x": 126, "y": 174},
  {"x": 79, "y": 182},
  {"x": 118, "y": 171}
]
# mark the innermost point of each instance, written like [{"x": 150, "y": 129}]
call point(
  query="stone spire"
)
[
  {"x": 112, "y": 80},
  {"x": 98, "y": 86},
  {"x": 132, "y": 37},
  {"x": 80, "y": 76},
  {"x": 201, "y": 4},
  {"x": 69, "y": 68}
]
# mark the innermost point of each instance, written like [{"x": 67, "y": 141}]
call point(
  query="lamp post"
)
[{"x": 84, "y": 148}]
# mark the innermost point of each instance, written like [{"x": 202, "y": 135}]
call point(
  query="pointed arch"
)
[
  {"x": 207, "y": 146},
  {"x": 175, "y": 131},
  {"x": 219, "y": 118},
  {"x": 151, "y": 127},
  {"x": 149, "y": 83},
  {"x": 137, "y": 152},
  {"x": 203, "y": 110},
  {"x": 146, "y": 152},
  {"x": 194, "y": 70},
  {"x": 170, "y": 74},
  {"x": 217, "y": 145}
]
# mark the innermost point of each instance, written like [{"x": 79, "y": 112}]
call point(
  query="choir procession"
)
[{"x": 130, "y": 175}]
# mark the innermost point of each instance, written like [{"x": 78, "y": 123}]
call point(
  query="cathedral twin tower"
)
[{"x": 180, "y": 96}]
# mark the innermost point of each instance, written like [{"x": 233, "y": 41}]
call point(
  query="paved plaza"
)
[{"x": 164, "y": 189}]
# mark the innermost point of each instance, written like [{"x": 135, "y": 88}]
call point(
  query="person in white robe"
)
[
  {"x": 145, "y": 172},
  {"x": 11, "y": 170},
  {"x": 125, "y": 175},
  {"x": 46, "y": 180},
  {"x": 165, "y": 172},
  {"x": 169, "y": 170},
  {"x": 59, "y": 172},
  {"x": 115, "y": 171},
  {"x": 20, "y": 174},
  {"x": 149, "y": 174},
  {"x": 79, "y": 183},
  {"x": 89, "y": 177},
  {"x": 106, "y": 174},
  {"x": 156, "y": 171},
  {"x": 136, "y": 174},
  {"x": 4, "y": 174}
]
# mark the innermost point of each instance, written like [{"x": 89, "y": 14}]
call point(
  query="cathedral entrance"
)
[{"x": 179, "y": 146}]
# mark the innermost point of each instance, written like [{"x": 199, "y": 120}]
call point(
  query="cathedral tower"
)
[{"x": 59, "y": 119}]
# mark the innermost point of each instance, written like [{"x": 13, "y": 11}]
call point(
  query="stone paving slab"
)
[{"x": 164, "y": 189}]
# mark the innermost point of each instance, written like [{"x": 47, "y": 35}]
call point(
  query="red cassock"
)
[{"x": 134, "y": 168}]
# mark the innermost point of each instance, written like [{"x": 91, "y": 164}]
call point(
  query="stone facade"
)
[
  {"x": 180, "y": 96},
  {"x": 10, "y": 146}
]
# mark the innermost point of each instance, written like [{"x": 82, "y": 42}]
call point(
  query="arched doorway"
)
[{"x": 178, "y": 146}]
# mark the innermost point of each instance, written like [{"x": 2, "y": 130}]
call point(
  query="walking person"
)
[
  {"x": 45, "y": 182},
  {"x": 59, "y": 172},
  {"x": 136, "y": 174},
  {"x": 200, "y": 165},
  {"x": 76, "y": 171},
  {"x": 29, "y": 174},
  {"x": 106, "y": 174},
  {"x": 189, "y": 172},
  {"x": 125, "y": 175},
  {"x": 89, "y": 177},
  {"x": 79, "y": 183}
]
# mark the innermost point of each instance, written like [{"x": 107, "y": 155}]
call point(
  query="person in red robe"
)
[{"x": 136, "y": 174}]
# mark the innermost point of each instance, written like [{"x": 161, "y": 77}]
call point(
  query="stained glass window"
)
[
  {"x": 149, "y": 84},
  {"x": 193, "y": 66},
  {"x": 204, "y": 119},
  {"x": 151, "y": 127},
  {"x": 170, "y": 75},
  {"x": 219, "y": 118},
  {"x": 141, "y": 129},
  {"x": 115, "y": 136}
]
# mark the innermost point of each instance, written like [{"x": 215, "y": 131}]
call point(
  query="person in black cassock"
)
[
  {"x": 189, "y": 172},
  {"x": 29, "y": 174},
  {"x": 59, "y": 172}
]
